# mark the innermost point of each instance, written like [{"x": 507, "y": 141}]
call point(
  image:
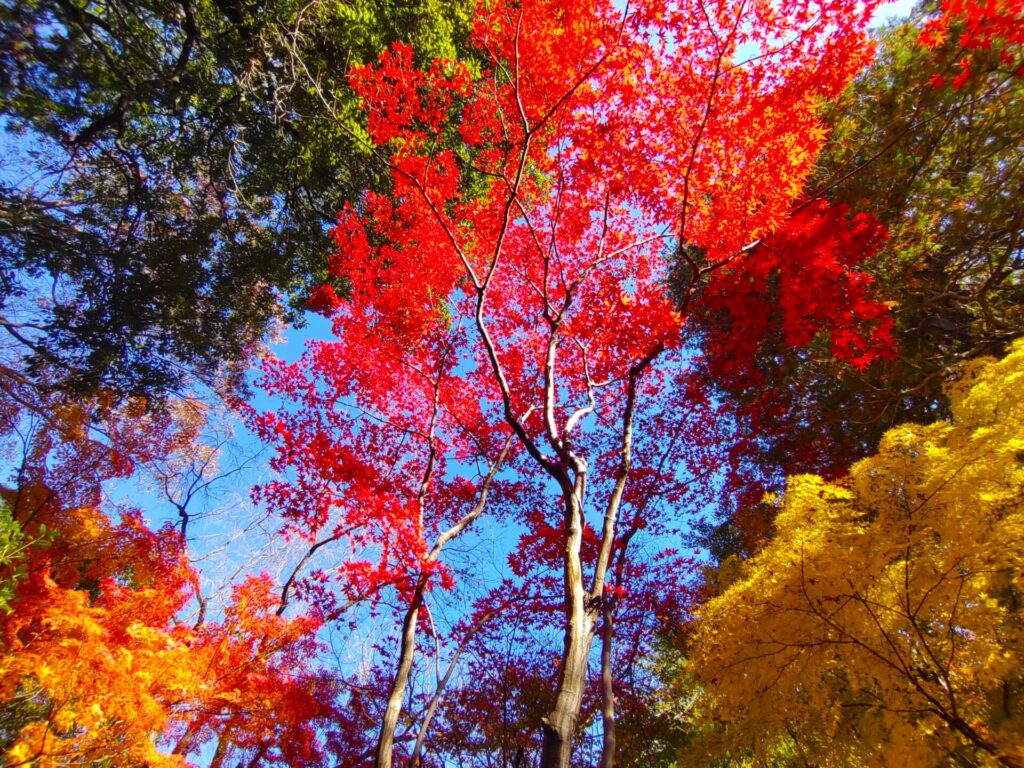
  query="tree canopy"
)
[
  {"x": 175, "y": 166},
  {"x": 933, "y": 157},
  {"x": 882, "y": 623},
  {"x": 670, "y": 411}
]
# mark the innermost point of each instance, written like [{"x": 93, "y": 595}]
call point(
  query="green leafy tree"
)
[
  {"x": 13, "y": 548},
  {"x": 175, "y": 166}
]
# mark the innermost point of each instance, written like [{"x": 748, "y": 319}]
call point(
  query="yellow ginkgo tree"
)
[{"x": 882, "y": 626}]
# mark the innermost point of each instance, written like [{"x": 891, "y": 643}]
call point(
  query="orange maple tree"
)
[{"x": 95, "y": 662}]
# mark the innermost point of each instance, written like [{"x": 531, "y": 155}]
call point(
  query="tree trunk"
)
[
  {"x": 560, "y": 724},
  {"x": 386, "y": 740}
]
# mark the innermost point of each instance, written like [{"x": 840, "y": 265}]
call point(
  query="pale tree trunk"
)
[
  {"x": 580, "y": 604},
  {"x": 386, "y": 740},
  {"x": 560, "y": 724},
  {"x": 417, "y": 753}
]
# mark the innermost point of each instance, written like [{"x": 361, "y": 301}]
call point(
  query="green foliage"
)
[
  {"x": 25, "y": 705},
  {"x": 13, "y": 548},
  {"x": 12, "y": 545},
  {"x": 940, "y": 167},
  {"x": 176, "y": 165}
]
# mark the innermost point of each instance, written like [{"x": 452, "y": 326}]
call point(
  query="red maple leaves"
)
[
  {"x": 510, "y": 287},
  {"x": 800, "y": 282},
  {"x": 980, "y": 25}
]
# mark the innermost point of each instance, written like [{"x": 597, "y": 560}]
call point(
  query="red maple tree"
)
[
  {"x": 508, "y": 329},
  {"x": 977, "y": 25}
]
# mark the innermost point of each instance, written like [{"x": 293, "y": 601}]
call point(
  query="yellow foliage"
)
[{"x": 883, "y": 624}]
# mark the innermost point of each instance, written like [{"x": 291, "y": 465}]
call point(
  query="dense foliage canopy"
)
[
  {"x": 936, "y": 162},
  {"x": 173, "y": 167},
  {"x": 882, "y": 624},
  {"x": 670, "y": 414}
]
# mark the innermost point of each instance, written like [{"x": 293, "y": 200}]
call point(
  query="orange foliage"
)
[{"x": 94, "y": 663}]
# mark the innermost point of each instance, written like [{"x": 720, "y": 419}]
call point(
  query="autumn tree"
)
[
  {"x": 882, "y": 625},
  {"x": 96, "y": 661},
  {"x": 510, "y": 660},
  {"x": 649, "y": 593},
  {"x": 927, "y": 141},
  {"x": 508, "y": 314}
]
